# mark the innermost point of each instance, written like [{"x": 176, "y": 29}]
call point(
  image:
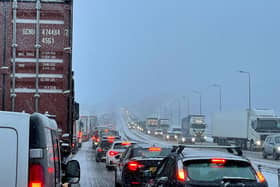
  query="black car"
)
[
  {"x": 102, "y": 148},
  {"x": 201, "y": 167},
  {"x": 135, "y": 161}
]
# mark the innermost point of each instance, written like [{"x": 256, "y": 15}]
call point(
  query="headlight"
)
[
  {"x": 175, "y": 136},
  {"x": 183, "y": 139},
  {"x": 167, "y": 136},
  {"x": 193, "y": 139},
  {"x": 156, "y": 133},
  {"x": 149, "y": 132},
  {"x": 161, "y": 133},
  {"x": 258, "y": 142},
  {"x": 278, "y": 148},
  {"x": 205, "y": 137}
]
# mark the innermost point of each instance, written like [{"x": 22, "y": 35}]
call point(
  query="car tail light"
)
[
  {"x": 36, "y": 176},
  {"x": 73, "y": 145},
  {"x": 99, "y": 150},
  {"x": 80, "y": 134},
  {"x": 98, "y": 139},
  {"x": 126, "y": 143},
  {"x": 113, "y": 153},
  {"x": 260, "y": 177},
  {"x": 218, "y": 161},
  {"x": 134, "y": 166},
  {"x": 156, "y": 149},
  {"x": 93, "y": 138},
  {"x": 181, "y": 175}
]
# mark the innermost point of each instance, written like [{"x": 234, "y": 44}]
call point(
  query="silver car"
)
[{"x": 271, "y": 146}]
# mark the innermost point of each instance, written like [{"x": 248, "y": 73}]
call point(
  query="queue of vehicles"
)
[{"x": 151, "y": 165}]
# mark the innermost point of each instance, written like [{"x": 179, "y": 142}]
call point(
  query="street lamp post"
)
[
  {"x": 249, "y": 78},
  {"x": 220, "y": 93},
  {"x": 200, "y": 100}
]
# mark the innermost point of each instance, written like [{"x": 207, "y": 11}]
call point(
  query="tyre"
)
[
  {"x": 264, "y": 155},
  {"x": 97, "y": 159},
  {"x": 275, "y": 155}
]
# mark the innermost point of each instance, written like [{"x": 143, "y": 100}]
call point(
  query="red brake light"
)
[
  {"x": 106, "y": 130},
  {"x": 181, "y": 175},
  {"x": 93, "y": 138},
  {"x": 218, "y": 161},
  {"x": 98, "y": 139},
  {"x": 73, "y": 145},
  {"x": 80, "y": 134},
  {"x": 111, "y": 137},
  {"x": 154, "y": 149},
  {"x": 36, "y": 176},
  {"x": 125, "y": 143},
  {"x": 99, "y": 150},
  {"x": 113, "y": 153},
  {"x": 133, "y": 165}
]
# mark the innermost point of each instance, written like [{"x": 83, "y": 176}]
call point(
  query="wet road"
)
[{"x": 93, "y": 174}]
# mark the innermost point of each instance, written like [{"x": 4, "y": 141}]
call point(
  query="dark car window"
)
[
  {"x": 146, "y": 152},
  {"x": 106, "y": 144},
  {"x": 205, "y": 170}
]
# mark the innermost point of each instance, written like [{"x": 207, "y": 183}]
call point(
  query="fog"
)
[{"x": 146, "y": 55}]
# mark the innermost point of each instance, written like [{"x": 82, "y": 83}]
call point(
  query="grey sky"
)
[{"x": 128, "y": 52}]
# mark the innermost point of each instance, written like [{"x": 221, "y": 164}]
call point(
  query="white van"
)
[{"x": 30, "y": 155}]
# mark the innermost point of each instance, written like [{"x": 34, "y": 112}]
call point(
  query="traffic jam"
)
[{"x": 136, "y": 163}]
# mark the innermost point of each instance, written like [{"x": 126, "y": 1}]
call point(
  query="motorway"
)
[{"x": 96, "y": 175}]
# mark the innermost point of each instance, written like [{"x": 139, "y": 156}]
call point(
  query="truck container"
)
[
  {"x": 35, "y": 59},
  {"x": 193, "y": 127},
  {"x": 244, "y": 128}
]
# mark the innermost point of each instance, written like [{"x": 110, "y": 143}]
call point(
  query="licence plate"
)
[{"x": 153, "y": 169}]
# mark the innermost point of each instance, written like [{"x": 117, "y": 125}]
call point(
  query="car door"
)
[
  {"x": 120, "y": 165},
  {"x": 166, "y": 170}
]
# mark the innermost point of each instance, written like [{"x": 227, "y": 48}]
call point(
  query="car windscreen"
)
[
  {"x": 213, "y": 170},
  {"x": 150, "y": 152}
]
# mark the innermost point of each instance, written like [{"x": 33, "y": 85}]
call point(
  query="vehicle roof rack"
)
[{"x": 231, "y": 149}]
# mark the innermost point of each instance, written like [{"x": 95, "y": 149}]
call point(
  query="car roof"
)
[
  {"x": 142, "y": 145},
  {"x": 203, "y": 153},
  {"x": 273, "y": 136}
]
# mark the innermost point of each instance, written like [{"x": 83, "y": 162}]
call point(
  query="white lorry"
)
[
  {"x": 193, "y": 128},
  {"x": 247, "y": 129}
]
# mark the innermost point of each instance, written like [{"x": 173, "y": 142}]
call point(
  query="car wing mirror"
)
[
  {"x": 163, "y": 180},
  {"x": 72, "y": 172},
  {"x": 147, "y": 174}
]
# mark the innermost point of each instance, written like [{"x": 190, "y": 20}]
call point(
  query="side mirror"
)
[
  {"x": 163, "y": 180},
  {"x": 147, "y": 174},
  {"x": 72, "y": 172}
]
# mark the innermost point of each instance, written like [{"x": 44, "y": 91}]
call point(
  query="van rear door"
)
[{"x": 14, "y": 137}]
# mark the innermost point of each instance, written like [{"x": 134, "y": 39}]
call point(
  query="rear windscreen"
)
[
  {"x": 205, "y": 170},
  {"x": 106, "y": 144},
  {"x": 147, "y": 152},
  {"x": 121, "y": 146}
]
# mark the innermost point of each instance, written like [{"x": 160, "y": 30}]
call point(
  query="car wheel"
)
[
  {"x": 275, "y": 155},
  {"x": 264, "y": 154}
]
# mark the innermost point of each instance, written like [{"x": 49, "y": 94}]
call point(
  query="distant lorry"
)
[
  {"x": 193, "y": 127},
  {"x": 247, "y": 129},
  {"x": 151, "y": 125},
  {"x": 164, "y": 125}
]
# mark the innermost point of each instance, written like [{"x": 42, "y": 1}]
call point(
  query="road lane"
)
[{"x": 93, "y": 174}]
